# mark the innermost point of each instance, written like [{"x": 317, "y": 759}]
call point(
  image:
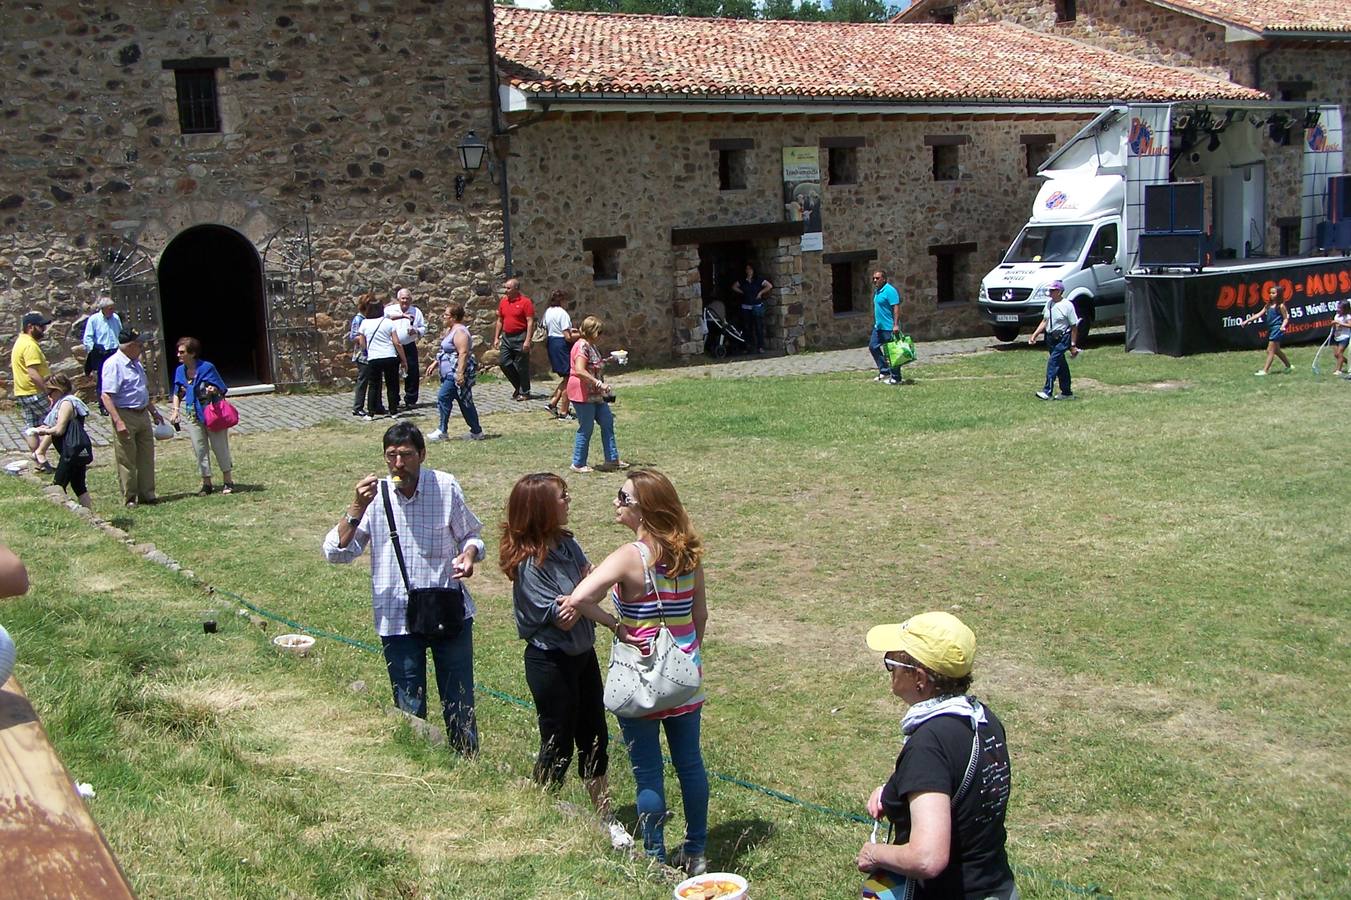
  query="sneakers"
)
[
  {"x": 1287, "y": 370},
  {"x": 1260, "y": 372},
  {"x": 472, "y": 436},
  {"x": 880, "y": 376},
  {"x": 582, "y": 470},
  {"x": 690, "y": 865},
  {"x": 891, "y": 379},
  {"x": 367, "y": 418},
  {"x": 620, "y": 839},
  {"x": 1065, "y": 397},
  {"x": 1043, "y": 395},
  {"x": 437, "y": 435}
]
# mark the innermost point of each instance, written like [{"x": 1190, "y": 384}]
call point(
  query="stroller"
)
[{"x": 720, "y": 336}]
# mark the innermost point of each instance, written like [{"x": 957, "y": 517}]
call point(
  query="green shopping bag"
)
[{"x": 899, "y": 352}]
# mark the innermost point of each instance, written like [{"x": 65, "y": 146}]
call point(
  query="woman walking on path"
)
[
  {"x": 197, "y": 383},
  {"x": 590, "y": 397},
  {"x": 1277, "y": 319},
  {"x": 657, "y": 579},
  {"x": 67, "y": 410},
  {"x": 544, "y": 563},
  {"x": 457, "y": 367},
  {"x": 559, "y": 331}
]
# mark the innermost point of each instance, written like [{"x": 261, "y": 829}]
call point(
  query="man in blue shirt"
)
[
  {"x": 101, "y": 339},
  {"x": 886, "y": 326},
  {"x": 126, "y": 394}
]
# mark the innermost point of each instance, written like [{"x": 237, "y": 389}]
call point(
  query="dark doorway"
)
[
  {"x": 722, "y": 265},
  {"x": 211, "y": 288}
]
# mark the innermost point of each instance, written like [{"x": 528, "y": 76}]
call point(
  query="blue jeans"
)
[
  {"x": 445, "y": 401},
  {"x": 588, "y": 414},
  {"x": 1058, "y": 367},
  {"x": 755, "y": 327},
  {"x": 880, "y": 337},
  {"x": 641, "y": 737},
  {"x": 406, "y": 659}
]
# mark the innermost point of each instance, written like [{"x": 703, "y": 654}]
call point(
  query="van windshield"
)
[{"x": 1048, "y": 244}]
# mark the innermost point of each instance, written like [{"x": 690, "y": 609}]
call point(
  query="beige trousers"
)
[
  {"x": 135, "y": 454},
  {"x": 204, "y": 443}
]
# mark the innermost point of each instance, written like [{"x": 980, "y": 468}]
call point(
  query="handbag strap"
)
[
  {"x": 650, "y": 578},
  {"x": 394, "y": 535}
]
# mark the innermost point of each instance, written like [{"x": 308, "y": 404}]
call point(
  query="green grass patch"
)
[{"x": 1154, "y": 574}]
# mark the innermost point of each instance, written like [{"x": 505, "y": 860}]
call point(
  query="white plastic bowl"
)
[
  {"x": 740, "y": 882},
  {"x": 295, "y": 644}
]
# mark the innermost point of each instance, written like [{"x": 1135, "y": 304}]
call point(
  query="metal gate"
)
[
  {"x": 289, "y": 296},
  {"x": 133, "y": 283}
]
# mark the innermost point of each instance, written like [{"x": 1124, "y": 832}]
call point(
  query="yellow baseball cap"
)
[{"x": 938, "y": 641}]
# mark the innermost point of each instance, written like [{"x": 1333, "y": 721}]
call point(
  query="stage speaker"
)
[
  {"x": 1188, "y": 206},
  {"x": 1176, "y": 206},
  {"x": 1172, "y": 250},
  {"x": 1339, "y": 198},
  {"x": 1323, "y": 236},
  {"x": 1341, "y": 235}
]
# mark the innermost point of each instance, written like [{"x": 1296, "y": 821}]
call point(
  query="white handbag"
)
[{"x": 663, "y": 678}]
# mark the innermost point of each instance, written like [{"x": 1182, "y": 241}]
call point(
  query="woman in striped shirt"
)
[{"x": 649, "y": 506}]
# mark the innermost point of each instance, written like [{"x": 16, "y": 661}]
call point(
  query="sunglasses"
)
[
  {"x": 565, "y": 497},
  {"x": 625, "y": 499},
  {"x": 891, "y": 665}
]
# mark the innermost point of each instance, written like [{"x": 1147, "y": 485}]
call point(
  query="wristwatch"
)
[{"x": 351, "y": 519}]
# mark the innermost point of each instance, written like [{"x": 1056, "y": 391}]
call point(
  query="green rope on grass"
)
[{"x": 1020, "y": 870}]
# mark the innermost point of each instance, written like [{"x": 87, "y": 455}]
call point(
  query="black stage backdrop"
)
[{"x": 1181, "y": 314}]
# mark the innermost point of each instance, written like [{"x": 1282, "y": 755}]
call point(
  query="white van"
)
[{"x": 1076, "y": 236}]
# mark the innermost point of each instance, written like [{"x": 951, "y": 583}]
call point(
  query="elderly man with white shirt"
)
[
  {"x": 438, "y": 545},
  {"x": 1060, "y": 322},
  {"x": 126, "y": 395},
  {"x": 411, "y": 325}
]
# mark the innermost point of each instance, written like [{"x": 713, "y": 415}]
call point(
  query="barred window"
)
[{"x": 198, "y": 103}]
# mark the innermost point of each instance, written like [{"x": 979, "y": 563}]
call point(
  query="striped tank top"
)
[{"x": 676, "y": 595}]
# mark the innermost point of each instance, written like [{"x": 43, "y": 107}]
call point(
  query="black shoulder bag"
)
[
  {"x": 432, "y": 612},
  {"x": 75, "y": 444}
]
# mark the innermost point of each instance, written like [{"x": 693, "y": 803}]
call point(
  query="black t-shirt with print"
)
[{"x": 935, "y": 758}]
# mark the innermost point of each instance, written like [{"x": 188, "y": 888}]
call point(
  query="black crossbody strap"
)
[{"x": 394, "y": 536}]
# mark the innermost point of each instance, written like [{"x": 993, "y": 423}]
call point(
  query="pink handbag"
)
[{"x": 220, "y": 415}]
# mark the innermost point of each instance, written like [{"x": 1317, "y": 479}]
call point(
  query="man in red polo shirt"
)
[{"x": 511, "y": 336}]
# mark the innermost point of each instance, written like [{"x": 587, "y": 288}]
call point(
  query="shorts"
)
[
  {"x": 558, "y": 355},
  {"x": 1343, "y": 340},
  {"x": 34, "y": 408}
]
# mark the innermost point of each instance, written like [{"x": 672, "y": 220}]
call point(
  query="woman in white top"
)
[
  {"x": 1341, "y": 334},
  {"x": 384, "y": 355},
  {"x": 560, "y": 333}
]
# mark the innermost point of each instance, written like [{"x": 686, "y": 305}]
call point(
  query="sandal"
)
[
  {"x": 582, "y": 470},
  {"x": 206, "y": 489},
  {"x": 228, "y": 489}
]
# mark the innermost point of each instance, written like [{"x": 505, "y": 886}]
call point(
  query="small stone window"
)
[
  {"x": 842, "y": 159},
  {"x": 947, "y": 162},
  {"x": 198, "y": 99},
  {"x": 1294, "y": 91},
  {"x": 1066, "y": 11},
  {"x": 848, "y": 280},
  {"x": 953, "y": 272},
  {"x": 605, "y": 257},
  {"x": 944, "y": 15},
  {"x": 1036, "y": 150},
  {"x": 733, "y": 161}
]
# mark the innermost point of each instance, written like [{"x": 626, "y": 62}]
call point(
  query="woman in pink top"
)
[{"x": 591, "y": 398}]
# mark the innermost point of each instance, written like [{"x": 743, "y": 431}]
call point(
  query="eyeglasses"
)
[
  {"x": 891, "y": 665},
  {"x": 565, "y": 497},
  {"x": 625, "y": 499},
  {"x": 392, "y": 455}
]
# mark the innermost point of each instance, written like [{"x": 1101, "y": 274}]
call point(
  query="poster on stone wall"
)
[{"x": 802, "y": 192}]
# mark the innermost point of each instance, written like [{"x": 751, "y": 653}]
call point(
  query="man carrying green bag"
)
[{"x": 899, "y": 352}]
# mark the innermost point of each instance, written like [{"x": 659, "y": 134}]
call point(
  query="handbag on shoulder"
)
[
  {"x": 432, "y": 612},
  {"x": 638, "y": 683}
]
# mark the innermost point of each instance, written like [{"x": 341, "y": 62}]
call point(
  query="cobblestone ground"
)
[{"x": 270, "y": 412}]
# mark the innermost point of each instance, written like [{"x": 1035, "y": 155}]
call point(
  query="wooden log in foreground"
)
[{"x": 49, "y": 844}]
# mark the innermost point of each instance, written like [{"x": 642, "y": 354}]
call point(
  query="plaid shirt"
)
[{"x": 434, "y": 527}]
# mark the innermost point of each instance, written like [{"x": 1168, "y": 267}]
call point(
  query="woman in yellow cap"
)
[{"x": 947, "y": 797}]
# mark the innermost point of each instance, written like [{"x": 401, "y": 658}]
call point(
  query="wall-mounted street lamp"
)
[{"x": 471, "y": 157}]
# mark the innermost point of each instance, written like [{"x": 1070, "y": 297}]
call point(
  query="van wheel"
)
[{"x": 1007, "y": 335}]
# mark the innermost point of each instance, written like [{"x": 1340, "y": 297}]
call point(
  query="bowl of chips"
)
[{"x": 712, "y": 886}]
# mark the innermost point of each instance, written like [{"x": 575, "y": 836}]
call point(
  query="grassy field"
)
[{"x": 1156, "y": 575}]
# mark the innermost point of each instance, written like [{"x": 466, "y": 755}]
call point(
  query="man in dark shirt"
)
[{"x": 753, "y": 290}]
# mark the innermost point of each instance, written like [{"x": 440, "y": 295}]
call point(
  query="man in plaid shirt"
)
[{"x": 440, "y": 540}]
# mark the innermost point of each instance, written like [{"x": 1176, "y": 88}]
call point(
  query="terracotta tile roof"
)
[
  {"x": 1269, "y": 16},
  {"x": 575, "y": 52}
]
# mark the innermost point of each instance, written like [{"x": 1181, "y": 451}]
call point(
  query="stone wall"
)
[
  {"x": 345, "y": 115},
  {"x": 638, "y": 176}
]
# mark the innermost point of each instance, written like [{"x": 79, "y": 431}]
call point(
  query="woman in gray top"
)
[{"x": 545, "y": 563}]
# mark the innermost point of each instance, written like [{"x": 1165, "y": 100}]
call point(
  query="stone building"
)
[
  {"x": 1293, "y": 50},
  {"x": 649, "y": 164},
  {"x": 240, "y": 171}
]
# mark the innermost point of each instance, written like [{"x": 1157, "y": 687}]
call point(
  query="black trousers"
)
[
  {"x": 363, "y": 381},
  {"x": 569, "y": 701},
  {"x": 386, "y": 370},
  {"x": 515, "y": 362},
  {"x": 413, "y": 379},
  {"x": 94, "y": 363}
]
